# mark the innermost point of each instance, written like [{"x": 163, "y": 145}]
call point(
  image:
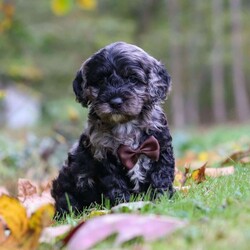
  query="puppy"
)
[{"x": 126, "y": 148}]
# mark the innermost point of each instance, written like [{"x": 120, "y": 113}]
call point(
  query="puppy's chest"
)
[{"x": 104, "y": 141}]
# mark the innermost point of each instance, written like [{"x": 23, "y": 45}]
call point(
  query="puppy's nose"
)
[{"x": 116, "y": 102}]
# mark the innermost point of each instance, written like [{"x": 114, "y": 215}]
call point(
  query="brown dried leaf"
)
[
  {"x": 236, "y": 157},
  {"x": 30, "y": 198},
  {"x": 25, "y": 189}
]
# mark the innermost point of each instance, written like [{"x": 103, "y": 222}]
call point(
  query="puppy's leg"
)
[
  {"x": 75, "y": 187},
  {"x": 161, "y": 175},
  {"x": 113, "y": 181}
]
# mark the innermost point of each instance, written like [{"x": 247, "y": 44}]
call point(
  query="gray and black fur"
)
[{"x": 123, "y": 87}]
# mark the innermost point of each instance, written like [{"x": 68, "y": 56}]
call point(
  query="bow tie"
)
[{"x": 129, "y": 156}]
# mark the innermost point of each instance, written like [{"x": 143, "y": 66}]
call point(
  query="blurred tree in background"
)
[{"x": 204, "y": 45}]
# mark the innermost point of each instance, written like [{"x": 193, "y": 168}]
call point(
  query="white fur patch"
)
[
  {"x": 136, "y": 174},
  {"x": 82, "y": 179}
]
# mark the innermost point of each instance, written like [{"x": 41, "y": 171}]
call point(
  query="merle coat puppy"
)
[{"x": 126, "y": 148}]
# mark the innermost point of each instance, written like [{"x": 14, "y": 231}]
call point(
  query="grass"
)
[{"x": 217, "y": 211}]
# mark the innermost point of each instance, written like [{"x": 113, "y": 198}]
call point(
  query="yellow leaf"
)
[
  {"x": 61, "y": 7},
  {"x": 24, "y": 232},
  {"x": 40, "y": 218},
  {"x": 14, "y": 215},
  {"x": 198, "y": 175},
  {"x": 87, "y": 4}
]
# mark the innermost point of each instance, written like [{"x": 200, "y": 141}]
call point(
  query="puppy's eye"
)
[{"x": 133, "y": 79}]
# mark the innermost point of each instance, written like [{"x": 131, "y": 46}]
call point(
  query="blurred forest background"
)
[{"x": 203, "y": 44}]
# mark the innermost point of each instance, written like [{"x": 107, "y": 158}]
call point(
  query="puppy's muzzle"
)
[{"x": 116, "y": 102}]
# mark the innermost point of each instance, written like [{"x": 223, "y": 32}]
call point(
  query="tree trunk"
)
[
  {"x": 177, "y": 101},
  {"x": 239, "y": 83},
  {"x": 193, "y": 50},
  {"x": 219, "y": 109}
]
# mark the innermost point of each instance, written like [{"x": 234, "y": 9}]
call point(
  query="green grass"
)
[{"x": 217, "y": 210}]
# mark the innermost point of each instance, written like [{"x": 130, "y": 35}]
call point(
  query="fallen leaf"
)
[
  {"x": 216, "y": 172},
  {"x": 30, "y": 198},
  {"x": 198, "y": 175},
  {"x": 14, "y": 215},
  {"x": 236, "y": 157},
  {"x": 40, "y": 219},
  {"x": 131, "y": 206},
  {"x": 245, "y": 160},
  {"x": 179, "y": 178},
  {"x": 25, "y": 189},
  {"x": 50, "y": 234},
  {"x": 194, "y": 165},
  {"x": 126, "y": 226},
  {"x": 24, "y": 231}
]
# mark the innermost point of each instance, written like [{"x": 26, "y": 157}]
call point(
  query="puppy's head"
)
[{"x": 120, "y": 81}]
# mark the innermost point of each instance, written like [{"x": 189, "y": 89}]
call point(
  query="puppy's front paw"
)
[
  {"x": 118, "y": 196},
  {"x": 157, "y": 193}
]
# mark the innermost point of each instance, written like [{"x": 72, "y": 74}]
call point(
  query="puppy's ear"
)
[
  {"x": 79, "y": 89},
  {"x": 160, "y": 82}
]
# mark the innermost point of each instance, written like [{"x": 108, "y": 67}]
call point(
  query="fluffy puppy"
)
[{"x": 126, "y": 148}]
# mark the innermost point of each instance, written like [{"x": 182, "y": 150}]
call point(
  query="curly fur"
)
[{"x": 123, "y": 87}]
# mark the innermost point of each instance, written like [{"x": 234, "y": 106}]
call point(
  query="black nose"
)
[{"x": 116, "y": 102}]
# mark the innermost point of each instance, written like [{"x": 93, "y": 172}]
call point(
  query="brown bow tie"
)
[{"x": 129, "y": 156}]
